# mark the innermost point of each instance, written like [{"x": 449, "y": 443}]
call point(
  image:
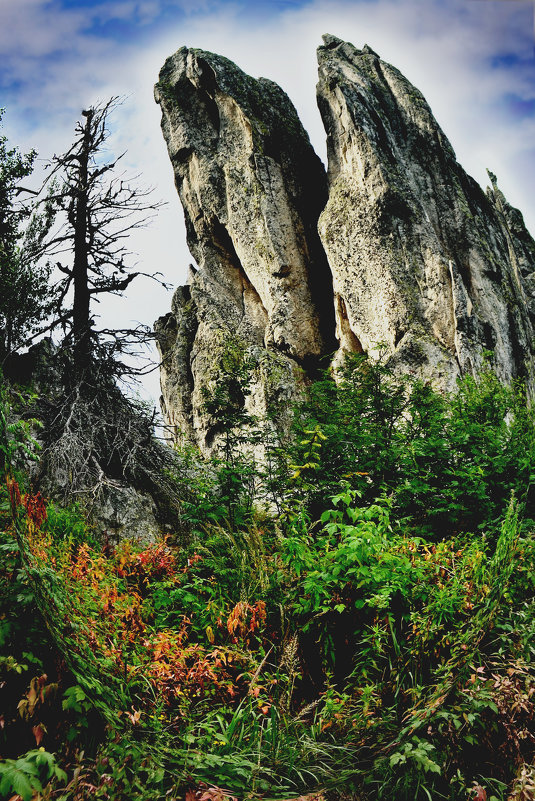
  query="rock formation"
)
[
  {"x": 252, "y": 189},
  {"x": 424, "y": 266}
]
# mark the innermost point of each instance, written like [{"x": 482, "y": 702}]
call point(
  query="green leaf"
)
[{"x": 60, "y": 774}]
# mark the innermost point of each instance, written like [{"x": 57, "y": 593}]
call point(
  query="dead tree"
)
[
  {"x": 95, "y": 438},
  {"x": 98, "y": 209}
]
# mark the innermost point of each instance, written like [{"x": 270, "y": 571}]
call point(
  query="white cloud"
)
[{"x": 444, "y": 49}]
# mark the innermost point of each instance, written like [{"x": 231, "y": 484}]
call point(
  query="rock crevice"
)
[{"x": 252, "y": 189}]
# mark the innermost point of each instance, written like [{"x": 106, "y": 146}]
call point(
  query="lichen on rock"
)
[{"x": 414, "y": 261}]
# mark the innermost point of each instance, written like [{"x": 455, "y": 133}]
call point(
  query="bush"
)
[{"x": 448, "y": 462}]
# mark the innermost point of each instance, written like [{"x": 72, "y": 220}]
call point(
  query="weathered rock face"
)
[
  {"x": 425, "y": 265},
  {"x": 252, "y": 190}
]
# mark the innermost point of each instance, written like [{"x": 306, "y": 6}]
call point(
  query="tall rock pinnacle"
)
[
  {"x": 413, "y": 259},
  {"x": 252, "y": 189},
  {"x": 425, "y": 265}
]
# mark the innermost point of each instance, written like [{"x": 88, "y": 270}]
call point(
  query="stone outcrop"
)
[
  {"x": 413, "y": 259},
  {"x": 252, "y": 189},
  {"x": 426, "y": 266}
]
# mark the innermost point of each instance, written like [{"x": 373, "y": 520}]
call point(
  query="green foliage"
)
[
  {"x": 418, "y": 752},
  {"x": 17, "y": 443},
  {"x": 253, "y": 753},
  {"x": 225, "y": 568},
  {"x": 377, "y": 634},
  {"x": 423, "y": 665},
  {"x": 224, "y": 399},
  {"x": 25, "y": 647},
  {"x": 67, "y": 524},
  {"x": 233, "y": 478},
  {"x": 25, "y": 298},
  {"x": 28, "y": 774},
  {"x": 449, "y": 463},
  {"x": 358, "y": 419}
]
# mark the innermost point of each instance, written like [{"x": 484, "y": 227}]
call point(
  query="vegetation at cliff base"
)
[
  {"x": 343, "y": 609},
  {"x": 373, "y": 637}
]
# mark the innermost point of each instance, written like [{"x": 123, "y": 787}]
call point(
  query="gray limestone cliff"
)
[
  {"x": 413, "y": 259},
  {"x": 252, "y": 190},
  {"x": 425, "y": 265}
]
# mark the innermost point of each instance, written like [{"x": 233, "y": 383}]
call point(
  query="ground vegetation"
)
[{"x": 372, "y": 639}]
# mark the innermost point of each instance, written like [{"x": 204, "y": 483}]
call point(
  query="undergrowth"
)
[{"x": 369, "y": 633}]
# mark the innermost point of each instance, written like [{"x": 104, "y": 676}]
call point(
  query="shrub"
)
[{"x": 448, "y": 462}]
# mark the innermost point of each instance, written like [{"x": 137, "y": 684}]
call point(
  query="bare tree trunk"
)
[{"x": 81, "y": 304}]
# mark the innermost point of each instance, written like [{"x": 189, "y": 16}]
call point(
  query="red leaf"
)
[{"x": 38, "y": 732}]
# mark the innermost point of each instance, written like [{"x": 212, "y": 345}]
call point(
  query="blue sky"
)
[{"x": 473, "y": 60}]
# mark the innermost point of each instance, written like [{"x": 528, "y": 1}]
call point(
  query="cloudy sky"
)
[{"x": 473, "y": 60}]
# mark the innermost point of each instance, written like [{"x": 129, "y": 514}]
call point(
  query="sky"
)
[{"x": 474, "y": 61}]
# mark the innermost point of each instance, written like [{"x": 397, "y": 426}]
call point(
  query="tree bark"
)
[{"x": 81, "y": 328}]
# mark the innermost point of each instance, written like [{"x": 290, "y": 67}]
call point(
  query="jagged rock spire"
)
[
  {"x": 252, "y": 189},
  {"x": 425, "y": 265}
]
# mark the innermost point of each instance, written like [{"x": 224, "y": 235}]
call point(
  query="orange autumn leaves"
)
[
  {"x": 34, "y": 503},
  {"x": 109, "y": 612}
]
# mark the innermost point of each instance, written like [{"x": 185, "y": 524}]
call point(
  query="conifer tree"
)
[{"x": 25, "y": 297}]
